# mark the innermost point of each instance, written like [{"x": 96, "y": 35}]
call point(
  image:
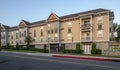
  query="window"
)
[
  {"x": 56, "y": 25},
  {"x": 52, "y": 31},
  {"x": 100, "y": 22},
  {"x": 20, "y": 34},
  {"x": 69, "y": 24},
  {"x": 99, "y": 26},
  {"x": 48, "y": 31},
  {"x": 34, "y": 33},
  {"x": 24, "y": 33},
  {"x": 100, "y": 33},
  {"x": 48, "y": 39},
  {"x": 41, "y": 40},
  {"x": 41, "y": 32},
  {"x": 11, "y": 37},
  {"x": 56, "y": 31},
  {"x": 69, "y": 30},
  {"x": 16, "y": 35}
]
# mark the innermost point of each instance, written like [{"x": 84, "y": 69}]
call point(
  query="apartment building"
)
[{"x": 93, "y": 26}]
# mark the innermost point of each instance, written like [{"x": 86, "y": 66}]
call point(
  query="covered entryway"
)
[
  {"x": 55, "y": 48},
  {"x": 87, "y": 48}
]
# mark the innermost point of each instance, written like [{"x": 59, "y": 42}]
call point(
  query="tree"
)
[
  {"x": 17, "y": 46},
  {"x": 28, "y": 40},
  {"x": 78, "y": 50},
  {"x": 115, "y": 25},
  {"x": 93, "y": 51},
  {"x": 118, "y": 33}
]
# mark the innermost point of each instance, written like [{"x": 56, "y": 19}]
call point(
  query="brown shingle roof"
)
[{"x": 86, "y": 12}]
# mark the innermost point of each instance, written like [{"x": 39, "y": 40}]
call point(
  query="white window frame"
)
[
  {"x": 100, "y": 18},
  {"x": 99, "y": 33}
]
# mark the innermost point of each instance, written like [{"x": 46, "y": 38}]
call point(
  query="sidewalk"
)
[{"x": 69, "y": 56}]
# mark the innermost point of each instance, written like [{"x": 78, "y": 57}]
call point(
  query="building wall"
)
[
  {"x": 69, "y": 39},
  {"x": 105, "y": 29}
]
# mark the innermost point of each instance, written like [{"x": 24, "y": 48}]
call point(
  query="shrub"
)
[
  {"x": 78, "y": 49},
  {"x": 45, "y": 49},
  {"x": 94, "y": 50},
  {"x": 98, "y": 51},
  {"x": 17, "y": 46},
  {"x": 69, "y": 51}
]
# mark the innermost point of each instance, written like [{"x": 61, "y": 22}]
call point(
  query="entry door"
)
[{"x": 87, "y": 49}]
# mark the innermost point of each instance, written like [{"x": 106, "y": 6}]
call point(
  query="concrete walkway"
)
[{"x": 69, "y": 56}]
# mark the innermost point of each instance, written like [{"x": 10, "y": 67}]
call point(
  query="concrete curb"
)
[
  {"x": 34, "y": 54},
  {"x": 88, "y": 57}
]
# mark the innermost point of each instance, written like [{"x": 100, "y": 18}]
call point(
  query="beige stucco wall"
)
[
  {"x": 105, "y": 29},
  {"x": 38, "y": 36}
]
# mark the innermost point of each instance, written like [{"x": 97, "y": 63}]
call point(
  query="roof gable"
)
[
  {"x": 53, "y": 16},
  {"x": 23, "y": 23}
]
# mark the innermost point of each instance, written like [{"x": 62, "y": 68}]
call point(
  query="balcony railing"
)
[
  {"x": 53, "y": 40},
  {"x": 85, "y": 26},
  {"x": 86, "y": 39}
]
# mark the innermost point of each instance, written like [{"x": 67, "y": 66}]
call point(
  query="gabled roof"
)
[
  {"x": 23, "y": 23},
  {"x": 52, "y": 16},
  {"x": 27, "y": 23}
]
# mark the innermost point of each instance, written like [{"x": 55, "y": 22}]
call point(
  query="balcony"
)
[
  {"x": 85, "y": 26},
  {"x": 86, "y": 39},
  {"x": 53, "y": 40}
]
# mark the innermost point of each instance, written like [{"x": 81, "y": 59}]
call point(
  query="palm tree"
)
[{"x": 28, "y": 40}]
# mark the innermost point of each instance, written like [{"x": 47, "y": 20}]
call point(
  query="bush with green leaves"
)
[
  {"x": 45, "y": 49},
  {"x": 78, "y": 49},
  {"x": 17, "y": 46},
  {"x": 69, "y": 51},
  {"x": 94, "y": 50}
]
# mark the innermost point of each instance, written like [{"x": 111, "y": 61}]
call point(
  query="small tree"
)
[
  {"x": 45, "y": 49},
  {"x": 93, "y": 51},
  {"x": 17, "y": 46},
  {"x": 8, "y": 46},
  {"x": 78, "y": 49},
  {"x": 118, "y": 33},
  {"x": 28, "y": 40}
]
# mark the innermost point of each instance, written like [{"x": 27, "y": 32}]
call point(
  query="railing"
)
[
  {"x": 85, "y": 26},
  {"x": 53, "y": 40},
  {"x": 86, "y": 39}
]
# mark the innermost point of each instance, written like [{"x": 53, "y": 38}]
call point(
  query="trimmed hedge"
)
[
  {"x": 72, "y": 51},
  {"x": 69, "y": 51},
  {"x": 94, "y": 50},
  {"x": 26, "y": 49}
]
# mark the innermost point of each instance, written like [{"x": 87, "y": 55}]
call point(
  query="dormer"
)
[
  {"x": 52, "y": 17},
  {"x": 23, "y": 23}
]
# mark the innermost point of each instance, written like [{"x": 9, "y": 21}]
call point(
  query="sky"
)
[{"x": 13, "y": 11}]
